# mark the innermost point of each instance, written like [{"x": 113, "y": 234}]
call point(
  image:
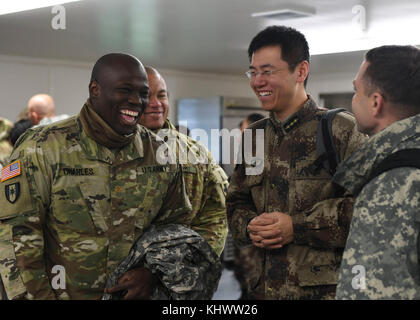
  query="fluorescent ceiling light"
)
[
  {"x": 284, "y": 14},
  {"x": 11, "y": 6},
  {"x": 348, "y": 38},
  {"x": 344, "y": 36}
]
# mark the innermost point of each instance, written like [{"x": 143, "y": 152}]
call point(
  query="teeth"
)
[
  {"x": 129, "y": 113},
  {"x": 265, "y": 93}
]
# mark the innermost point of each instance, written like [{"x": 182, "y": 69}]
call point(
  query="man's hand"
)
[
  {"x": 271, "y": 230},
  {"x": 139, "y": 284}
]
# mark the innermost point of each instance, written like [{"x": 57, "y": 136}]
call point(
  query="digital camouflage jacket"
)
[
  {"x": 382, "y": 255},
  {"x": 70, "y": 202},
  {"x": 186, "y": 266},
  {"x": 306, "y": 268}
]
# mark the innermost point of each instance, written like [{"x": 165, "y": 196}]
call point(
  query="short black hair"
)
[
  {"x": 293, "y": 44},
  {"x": 254, "y": 117},
  {"x": 18, "y": 129},
  {"x": 395, "y": 72}
]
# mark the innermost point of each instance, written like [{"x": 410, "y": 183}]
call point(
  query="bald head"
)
[
  {"x": 40, "y": 106},
  {"x": 112, "y": 61},
  {"x": 152, "y": 72}
]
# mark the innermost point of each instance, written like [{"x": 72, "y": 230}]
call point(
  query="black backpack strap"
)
[
  {"x": 328, "y": 156},
  {"x": 402, "y": 158}
]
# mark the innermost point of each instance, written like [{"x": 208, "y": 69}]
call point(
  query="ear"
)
[
  {"x": 94, "y": 89},
  {"x": 302, "y": 70},
  {"x": 33, "y": 116},
  {"x": 378, "y": 102}
]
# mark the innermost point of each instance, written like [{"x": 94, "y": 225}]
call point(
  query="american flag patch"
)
[{"x": 12, "y": 170}]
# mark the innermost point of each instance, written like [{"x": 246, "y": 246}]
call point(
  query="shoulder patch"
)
[
  {"x": 12, "y": 192},
  {"x": 12, "y": 170}
]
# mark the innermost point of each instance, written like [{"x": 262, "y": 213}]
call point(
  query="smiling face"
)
[
  {"x": 156, "y": 112},
  {"x": 279, "y": 91},
  {"x": 120, "y": 94}
]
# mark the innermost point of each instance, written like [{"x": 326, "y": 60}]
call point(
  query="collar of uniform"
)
[
  {"x": 353, "y": 172},
  {"x": 305, "y": 113},
  {"x": 95, "y": 151}
]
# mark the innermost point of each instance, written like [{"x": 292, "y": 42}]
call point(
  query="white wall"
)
[
  {"x": 330, "y": 83},
  {"x": 67, "y": 82},
  {"x": 21, "y": 78}
]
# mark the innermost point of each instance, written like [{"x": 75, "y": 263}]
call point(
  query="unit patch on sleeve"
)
[
  {"x": 11, "y": 171},
  {"x": 12, "y": 192}
]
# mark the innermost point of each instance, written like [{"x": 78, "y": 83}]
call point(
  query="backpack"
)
[
  {"x": 328, "y": 156},
  {"x": 402, "y": 158}
]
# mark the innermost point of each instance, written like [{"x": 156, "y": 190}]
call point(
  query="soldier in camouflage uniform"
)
[
  {"x": 381, "y": 257},
  {"x": 5, "y": 146},
  {"x": 78, "y": 194},
  {"x": 289, "y": 212},
  {"x": 206, "y": 182}
]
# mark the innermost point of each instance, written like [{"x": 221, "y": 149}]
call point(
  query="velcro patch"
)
[
  {"x": 12, "y": 192},
  {"x": 11, "y": 171}
]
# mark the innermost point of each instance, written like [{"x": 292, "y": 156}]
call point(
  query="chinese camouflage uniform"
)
[
  {"x": 384, "y": 233},
  {"x": 306, "y": 268},
  {"x": 5, "y": 146},
  {"x": 206, "y": 185},
  {"x": 79, "y": 205}
]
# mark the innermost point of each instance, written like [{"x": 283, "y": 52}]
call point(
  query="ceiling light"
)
[
  {"x": 291, "y": 12},
  {"x": 23, "y": 5},
  {"x": 344, "y": 38}
]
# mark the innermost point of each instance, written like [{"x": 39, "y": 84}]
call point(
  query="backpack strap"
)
[
  {"x": 328, "y": 156},
  {"x": 402, "y": 158}
]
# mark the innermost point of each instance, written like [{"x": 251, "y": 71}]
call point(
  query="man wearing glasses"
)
[{"x": 292, "y": 215}]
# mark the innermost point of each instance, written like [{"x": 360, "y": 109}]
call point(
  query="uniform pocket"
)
[
  {"x": 255, "y": 184},
  {"x": 97, "y": 205},
  {"x": 316, "y": 275},
  {"x": 315, "y": 267}
]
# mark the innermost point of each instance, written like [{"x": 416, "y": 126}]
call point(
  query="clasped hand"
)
[{"x": 271, "y": 230}]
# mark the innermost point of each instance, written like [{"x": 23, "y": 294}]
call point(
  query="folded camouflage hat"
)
[{"x": 186, "y": 265}]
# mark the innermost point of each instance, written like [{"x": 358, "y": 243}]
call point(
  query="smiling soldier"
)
[
  {"x": 290, "y": 215},
  {"x": 78, "y": 194}
]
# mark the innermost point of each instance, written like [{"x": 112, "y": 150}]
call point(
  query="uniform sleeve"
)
[
  {"x": 24, "y": 199},
  {"x": 211, "y": 222},
  {"x": 176, "y": 206},
  {"x": 380, "y": 260},
  {"x": 326, "y": 224},
  {"x": 239, "y": 207}
]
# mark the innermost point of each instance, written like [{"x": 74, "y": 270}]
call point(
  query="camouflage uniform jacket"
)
[
  {"x": 206, "y": 185},
  {"x": 384, "y": 239},
  {"x": 187, "y": 267},
  {"x": 79, "y": 205},
  {"x": 5, "y": 146},
  {"x": 306, "y": 268}
]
